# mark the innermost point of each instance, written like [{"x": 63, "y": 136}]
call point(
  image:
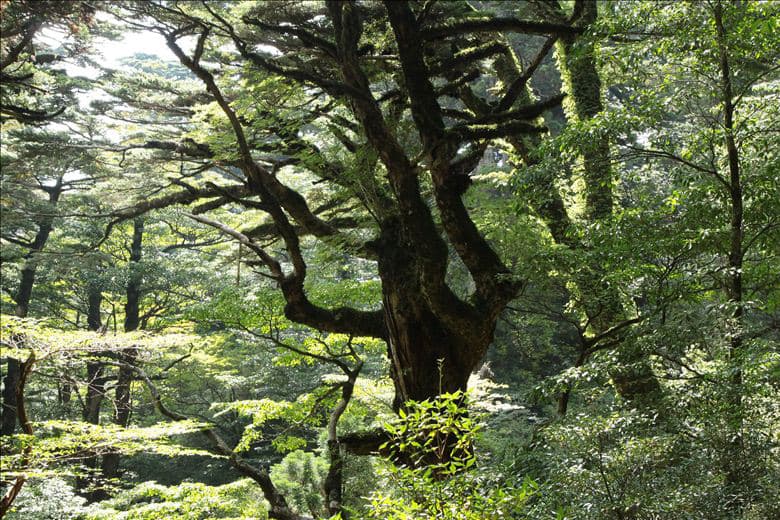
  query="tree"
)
[
  {"x": 33, "y": 92},
  {"x": 314, "y": 218},
  {"x": 422, "y": 319},
  {"x": 695, "y": 188},
  {"x": 35, "y": 188},
  {"x": 122, "y": 400},
  {"x": 733, "y": 75},
  {"x": 26, "y": 100}
]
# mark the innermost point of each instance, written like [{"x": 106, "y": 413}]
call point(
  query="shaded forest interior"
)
[{"x": 365, "y": 259}]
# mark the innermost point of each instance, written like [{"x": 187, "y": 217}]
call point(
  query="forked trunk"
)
[
  {"x": 428, "y": 355},
  {"x": 427, "y": 358}
]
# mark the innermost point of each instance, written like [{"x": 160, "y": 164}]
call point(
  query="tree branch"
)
[
  {"x": 498, "y": 24},
  {"x": 268, "y": 260}
]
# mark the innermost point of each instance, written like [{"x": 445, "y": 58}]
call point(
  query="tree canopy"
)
[{"x": 470, "y": 259}]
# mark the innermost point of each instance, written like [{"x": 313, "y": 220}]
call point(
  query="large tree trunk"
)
[
  {"x": 428, "y": 355},
  {"x": 427, "y": 358},
  {"x": 435, "y": 337}
]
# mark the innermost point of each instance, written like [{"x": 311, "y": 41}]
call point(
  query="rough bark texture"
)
[
  {"x": 435, "y": 338},
  {"x": 428, "y": 356}
]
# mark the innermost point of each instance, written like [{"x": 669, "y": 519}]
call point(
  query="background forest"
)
[{"x": 464, "y": 259}]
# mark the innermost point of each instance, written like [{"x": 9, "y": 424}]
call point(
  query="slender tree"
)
[{"x": 123, "y": 396}]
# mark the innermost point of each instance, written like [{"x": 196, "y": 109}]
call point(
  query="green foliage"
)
[
  {"x": 239, "y": 500},
  {"x": 47, "y": 499},
  {"x": 265, "y": 410},
  {"x": 436, "y": 433},
  {"x": 216, "y": 341},
  {"x": 299, "y": 476},
  {"x": 432, "y": 470},
  {"x": 57, "y": 442},
  {"x": 628, "y": 463}
]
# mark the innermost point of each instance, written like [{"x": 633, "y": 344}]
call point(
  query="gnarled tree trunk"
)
[{"x": 428, "y": 356}]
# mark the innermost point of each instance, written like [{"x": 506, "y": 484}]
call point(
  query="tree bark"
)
[
  {"x": 10, "y": 381},
  {"x": 428, "y": 358},
  {"x": 334, "y": 480},
  {"x": 95, "y": 380},
  {"x": 94, "y": 302},
  {"x": 429, "y": 355},
  {"x": 133, "y": 290}
]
